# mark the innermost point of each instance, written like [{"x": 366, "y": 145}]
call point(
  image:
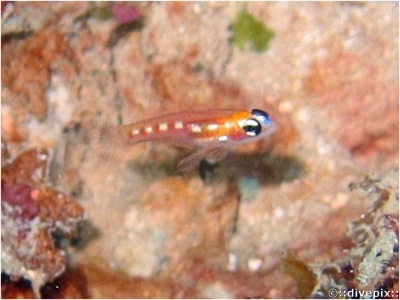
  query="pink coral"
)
[
  {"x": 19, "y": 195},
  {"x": 125, "y": 14}
]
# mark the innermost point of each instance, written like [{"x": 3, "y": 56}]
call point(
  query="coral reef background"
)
[{"x": 310, "y": 208}]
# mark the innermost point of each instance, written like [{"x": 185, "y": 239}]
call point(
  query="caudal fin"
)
[{"x": 108, "y": 147}]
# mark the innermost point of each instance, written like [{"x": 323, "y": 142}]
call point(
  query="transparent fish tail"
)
[{"x": 108, "y": 147}]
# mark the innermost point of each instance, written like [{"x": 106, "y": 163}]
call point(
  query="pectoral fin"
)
[
  {"x": 212, "y": 155},
  {"x": 215, "y": 155}
]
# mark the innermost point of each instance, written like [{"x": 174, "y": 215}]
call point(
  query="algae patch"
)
[{"x": 247, "y": 29}]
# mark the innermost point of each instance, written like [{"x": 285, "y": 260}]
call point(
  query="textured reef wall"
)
[{"x": 310, "y": 209}]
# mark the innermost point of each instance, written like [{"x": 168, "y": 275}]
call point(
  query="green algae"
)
[{"x": 247, "y": 29}]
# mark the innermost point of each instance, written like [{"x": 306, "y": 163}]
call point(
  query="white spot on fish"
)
[
  {"x": 163, "y": 127},
  {"x": 135, "y": 131},
  {"x": 195, "y": 128},
  {"x": 223, "y": 138},
  {"x": 149, "y": 129},
  {"x": 178, "y": 125},
  {"x": 241, "y": 123},
  {"x": 212, "y": 126}
]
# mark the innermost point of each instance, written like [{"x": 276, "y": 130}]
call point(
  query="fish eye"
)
[{"x": 252, "y": 127}]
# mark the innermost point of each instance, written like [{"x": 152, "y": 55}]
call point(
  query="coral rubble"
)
[
  {"x": 32, "y": 214},
  {"x": 372, "y": 263}
]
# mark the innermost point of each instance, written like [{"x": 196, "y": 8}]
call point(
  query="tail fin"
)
[{"x": 108, "y": 147}]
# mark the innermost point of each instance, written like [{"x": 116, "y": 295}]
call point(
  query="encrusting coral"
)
[{"x": 31, "y": 213}]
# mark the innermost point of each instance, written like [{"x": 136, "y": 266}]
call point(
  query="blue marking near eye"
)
[{"x": 262, "y": 116}]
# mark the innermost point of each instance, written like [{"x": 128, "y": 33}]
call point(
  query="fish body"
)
[{"x": 211, "y": 130}]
